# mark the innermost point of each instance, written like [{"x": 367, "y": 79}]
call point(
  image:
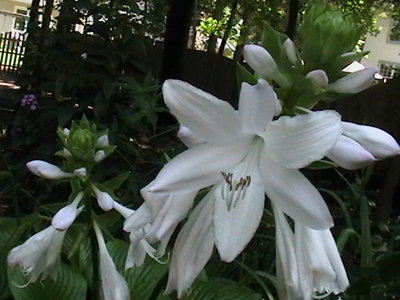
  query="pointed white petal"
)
[
  {"x": 294, "y": 194},
  {"x": 354, "y": 82},
  {"x": 46, "y": 170},
  {"x": 113, "y": 285},
  {"x": 232, "y": 227},
  {"x": 199, "y": 167},
  {"x": 378, "y": 142},
  {"x": 349, "y": 154},
  {"x": 193, "y": 247},
  {"x": 174, "y": 210},
  {"x": 318, "y": 77},
  {"x": 256, "y": 106},
  {"x": 286, "y": 259},
  {"x": 260, "y": 60},
  {"x": 103, "y": 141},
  {"x": 209, "y": 118},
  {"x": 138, "y": 219},
  {"x": 188, "y": 137},
  {"x": 67, "y": 215},
  {"x": 295, "y": 142}
]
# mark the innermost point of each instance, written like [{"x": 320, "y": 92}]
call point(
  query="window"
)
[
  {"x": 21, "y": 22},
  {"x": 389, "y": 70},
  {"x": 394, "y": 32}
]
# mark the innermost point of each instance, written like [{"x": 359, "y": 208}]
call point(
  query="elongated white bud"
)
[
  {"x": 63, "y": 219},
  {"x": 260, "y": 60},
  {"x": 46, "y": 170},
  {"x": 99, "y": 156},
  {"x": 103, "y": 141},
  {"x": 376, "y": 141},
  {"x": 349, "y": 154},
  {"x": 355, "y": 82},
  {"x": 318, "y": 77},
  {"x": 104, "y": 199},
  {"x": 291, "y": 51}
]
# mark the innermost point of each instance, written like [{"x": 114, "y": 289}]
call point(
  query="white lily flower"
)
[
  {"x": 46, "y": 170},
  {"x": 103, "y": 141},
  {"x": 291, "y": 51},
  {"x": 39, "y": 255},
  {"x": 355, "y": 82},
  {"x": 99, "y": 156},
  {"x": 260, "y": 60},
  {"x": 113, "y": 285},
  {"x": 318, "y": 77},
  {"x": 63, "y": 219},
  {"x": 104, "y": 200},
  {"x": 188, "y": 138},
  {"x": 376, "y": 141},
  {"x": 248, "y": 154}
]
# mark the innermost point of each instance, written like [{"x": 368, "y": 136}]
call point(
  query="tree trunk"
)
[
  {"x": 244, "y": 33},
  {"x": 217, "y": 15},
  {"x": 176, "y": 38},
  {"x": 228, "y": 28},
  {"x": 33, "y": 16},
  {"x": 64, "y": 20},
  {"x": 292, "y": 22}
]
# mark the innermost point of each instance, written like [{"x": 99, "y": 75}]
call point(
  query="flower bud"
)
[
  {"x": 66, "y": 131},
  {"x": 260, "y": 60},
  {"x": 376, "y": 141},
  {"x": 99, "y": 156},
  {"x": 63, "y": 219},
  {"x": 291, "y": 51},
  {"x": 318, "y": 77},
  {"x": 104, "y": 199},
  {"x": 46, "y": 170},
  {"x": 349, "y": 154},
  {"x": 81, "y": 139},
  {"x": 103, "y": 141},
  {"x": 354, "y": 82},
  {"x": 81, "y": 172}
]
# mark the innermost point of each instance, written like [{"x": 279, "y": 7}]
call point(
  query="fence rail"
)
[{"x": 12, "y": 49}]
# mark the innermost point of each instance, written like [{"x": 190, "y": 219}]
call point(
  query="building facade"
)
[
  {"x": 384, "y": 48},
  {"x": 14, "y": 15}
]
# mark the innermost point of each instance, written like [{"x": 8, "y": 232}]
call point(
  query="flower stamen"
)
[{"x": 234, "y": 190}]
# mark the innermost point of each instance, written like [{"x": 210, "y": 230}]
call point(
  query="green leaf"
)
[
  {"x": 68, "y": 285},
  {"x": 218, "y": 290},
  {"x": 321, "y": 165},
  {"x": 116, "y": 182},
  {"x": 244, "y": 75},
  {"x": 143, "y": 280}
]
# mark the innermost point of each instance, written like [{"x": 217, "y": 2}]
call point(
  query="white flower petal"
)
[
  {"x": 99, "y": 156},
  {"x": 208, "y": 117},
  {"x": 198, "y": 167},
  {"x": 318, "y": 77},
  {"x": 349, "y": 154},
  {"x": 103, "y": 141},
  {"x": 104, "y": 200},
  {"x": 378, "y": 142},
  {"x": 138, "y": 219},
  {"x": 294, "y": 194},
  {"x": 113, "y": 285},
  {"x": 295, "y": 142},
  {"x": 193, "y": 247},
  {"x": 188, "y": 138},
  {"x": 354, "y": 82},
  {"x": 46, "y": 170},
  {"x": 256, "y": 106},
  {"x": 286, "y": 259},
  {"x": 233, "y": 227},
  {"x": 260, "y": 60},
  {"x": 136, "y": 251}
]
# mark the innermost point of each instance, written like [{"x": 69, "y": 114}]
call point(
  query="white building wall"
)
[{"x": 380, "y": 47}]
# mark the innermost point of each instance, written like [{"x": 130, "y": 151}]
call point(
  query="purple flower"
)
[{"x": 30, "y": 102}]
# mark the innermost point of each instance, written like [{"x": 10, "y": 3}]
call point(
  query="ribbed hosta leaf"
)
[
  {"x": 69, "y": 285},
  {"x": 142, "y": 281},
  {"x": 217, "y": 290}
]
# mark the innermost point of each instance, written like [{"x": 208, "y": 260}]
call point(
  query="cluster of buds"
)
[{"x": 83, "y": 146}]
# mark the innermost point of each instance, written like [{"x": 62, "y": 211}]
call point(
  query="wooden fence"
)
[{"x": 12, "y": 49}]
